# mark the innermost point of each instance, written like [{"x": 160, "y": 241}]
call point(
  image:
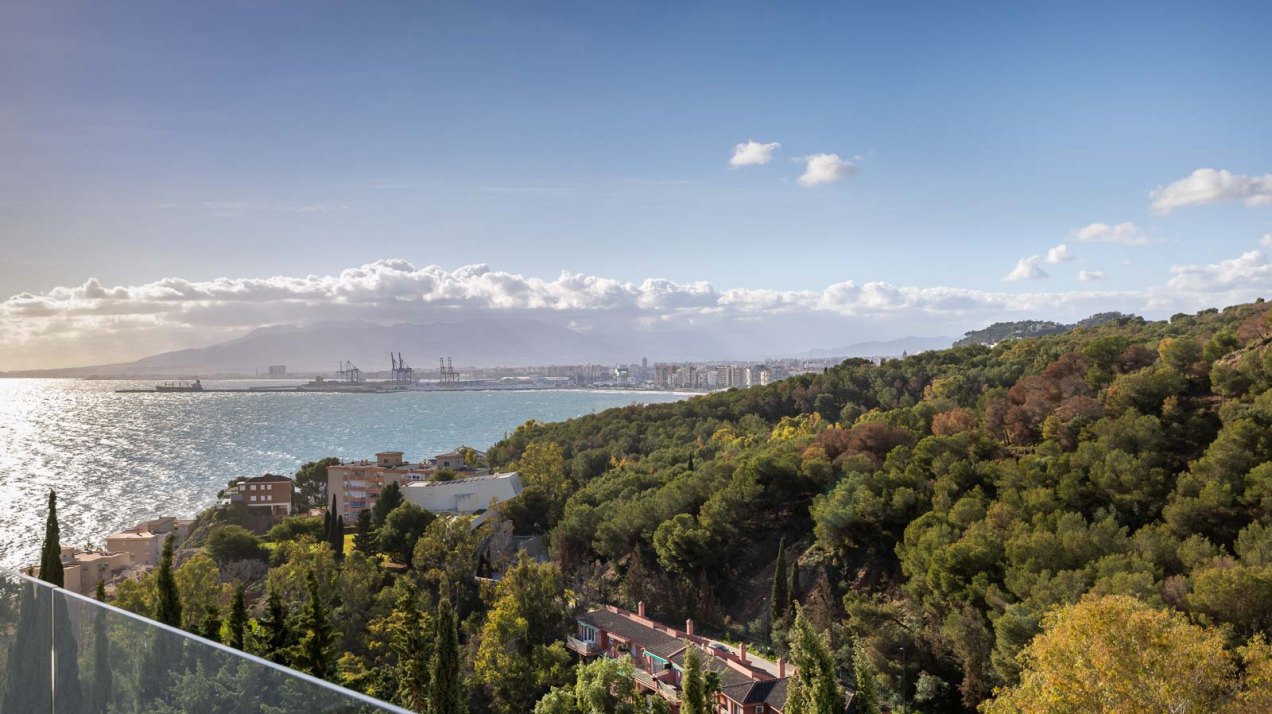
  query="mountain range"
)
[{"x": 476, "y": 341}]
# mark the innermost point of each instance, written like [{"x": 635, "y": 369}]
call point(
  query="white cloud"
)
[
  {"x": 1090, "y": 276},
  {"x": 92, "y": 323},
  {"x": 1059, "y": 254},
  {"x": 1250, "y": 271},
  {"x": 1124, "y": 233},
  {"x": 1026, "y": 269},
  {"x": 1210, "y": 186},
  {"x": 824, "y": 168},
  {"x": 753, "y": 153},
  {"x": 1266, "y": 240}
]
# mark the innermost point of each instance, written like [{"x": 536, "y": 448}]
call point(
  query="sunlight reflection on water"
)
[{"x": 117, "y": 459}]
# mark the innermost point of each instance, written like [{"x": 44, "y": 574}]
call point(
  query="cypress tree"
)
[
  {"x": 313, "y": 655},
  {"x": 211, "y": 627},
  {"x": 337, "y": 536},
  {"x": 866, "y": 699},
  {"x": 100, "y": 593},
  {"x": 815, "y": 688},
  {"x": 779, "y": 600},
  {"x": 103, "y": 678},
  {"x": 51, "y": 555},
  {"x": 157, "y": 666},
  {"x": 363, "y": 539},
  {"x": 277, "y": 635},
  {"x": 238, "y": 618},
  {"x": 168, "y": 602},
  {"x": 444, "y": 693},
  {"x": 794, "y": 589},
  {"x": 409, "y": 642},
  {"x": 693, "y": 687}
]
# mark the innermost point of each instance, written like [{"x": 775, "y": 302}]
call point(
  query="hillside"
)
[
  {"x": 942, "y": 503},
  {"x": 1003, "y": 331}
]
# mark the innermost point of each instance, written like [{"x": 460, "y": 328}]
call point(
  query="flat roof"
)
[
  {"x": 459, "y": 481},
  {"x": 134, "y": 534}
]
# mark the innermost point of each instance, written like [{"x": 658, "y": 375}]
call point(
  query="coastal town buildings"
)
[
  {"x": 144, "y": 542},
  {"x": 81, "y": 570},
  {"x": 748, "y": 685},
  {"x": 128, "y": 552},
  {"x": 357, "y": 485}
]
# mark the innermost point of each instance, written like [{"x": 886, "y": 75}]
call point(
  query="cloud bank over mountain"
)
[{"x": 93, "y": 323}]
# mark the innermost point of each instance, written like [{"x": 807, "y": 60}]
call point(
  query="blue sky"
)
[{"x": 236, "y": 140}]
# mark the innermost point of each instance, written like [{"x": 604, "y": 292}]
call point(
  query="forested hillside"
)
[{"x": 941, "y": 505}]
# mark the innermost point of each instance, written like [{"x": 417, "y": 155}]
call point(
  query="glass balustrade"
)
[{"x": 62, "y": 652}]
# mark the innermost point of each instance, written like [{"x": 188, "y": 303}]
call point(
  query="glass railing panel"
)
[
  {"x": 26, "y": 643},
  {"x": 67, "y": 653}
]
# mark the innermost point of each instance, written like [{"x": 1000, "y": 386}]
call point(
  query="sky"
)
[{"x": 173, "y": 174}]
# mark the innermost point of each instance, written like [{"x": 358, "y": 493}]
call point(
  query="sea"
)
[{"x": 118, "y": 459}]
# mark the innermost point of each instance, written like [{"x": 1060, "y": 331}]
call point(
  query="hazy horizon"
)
[{"x": 736, "y": 175}]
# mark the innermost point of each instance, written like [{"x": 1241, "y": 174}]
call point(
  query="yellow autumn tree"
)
[{"x": 1117, "y": 655}]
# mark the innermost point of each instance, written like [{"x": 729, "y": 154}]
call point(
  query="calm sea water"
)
[{"x": 118, "y": 459}]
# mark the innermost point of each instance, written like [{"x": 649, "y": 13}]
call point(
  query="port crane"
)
[
  {"x": 349, "y": 373},
  {"x": 447, "y": 373},
  {"x": 402, "y": 373}
]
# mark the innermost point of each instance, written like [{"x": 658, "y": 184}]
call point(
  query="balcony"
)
[
  {"x": 583, "y": 647},
  {"x": 647, "y": 681},
  {"x": 62, "y": 652}
]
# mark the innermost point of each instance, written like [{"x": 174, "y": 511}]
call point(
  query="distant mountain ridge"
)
[
  {"x": 1002, "y": 331},
  {"x": 481, "y": 341},
  {"x": 882, "y": 348},
  {"x": 487, "y": 341}
]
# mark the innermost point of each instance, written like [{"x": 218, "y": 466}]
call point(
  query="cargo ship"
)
[{"x": 195, "y": 386}]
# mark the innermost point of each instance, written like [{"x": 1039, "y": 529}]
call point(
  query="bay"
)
[{"x": 118, "y": 459}]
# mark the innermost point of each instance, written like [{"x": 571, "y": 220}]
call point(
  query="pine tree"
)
[
  {"x": 211, "y": 627},
  {"x": 51, "y": 556},
  {"x": 168, "y": 601},
  {"x": 444, "y": 693},
  {"x": 313, "y": 654},
  {"x": 277, "y": 635},
  {"x": 794, "y": 589},
  {"x": 779, "y": 600},
  {"x": 364, "y": 540},
  {"x": 390, "y": 498},
  {"x": 693, "y": 687},
  {"x": 238, "y": 618}
]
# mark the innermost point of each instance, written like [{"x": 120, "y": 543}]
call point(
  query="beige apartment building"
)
[
  {"x": 144, "y": 542},
  {"x": 81, "y": 570},
  {"x": 357, "y": 484}
]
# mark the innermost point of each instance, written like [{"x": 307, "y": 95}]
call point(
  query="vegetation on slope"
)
[{"x": 944, "y": 503}]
